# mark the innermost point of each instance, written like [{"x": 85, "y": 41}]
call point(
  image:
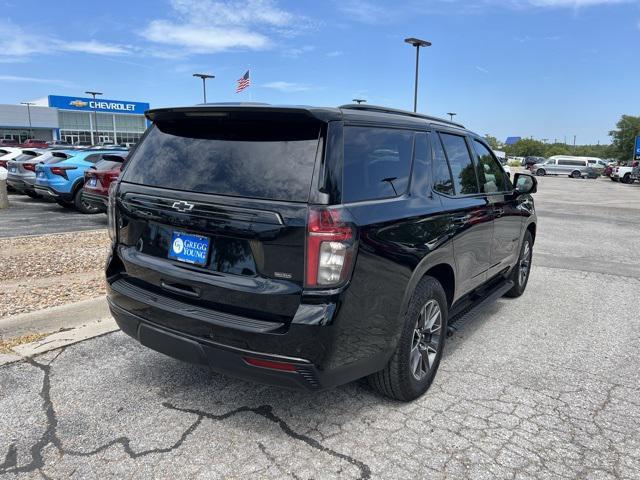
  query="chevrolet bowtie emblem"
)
[{"x": 183, "y": 206}]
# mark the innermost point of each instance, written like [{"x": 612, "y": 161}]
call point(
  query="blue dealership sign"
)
[
  {"x": 637, "y": 150},
  {"x": 100, "y": 105}
]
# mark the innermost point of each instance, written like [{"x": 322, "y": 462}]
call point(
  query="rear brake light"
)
[
  {"x": 273, "y": 365},
  {"x": 331, "y": 244},
  {"x": 62, "y": 171},
  {"x": 29, "y": 166}
]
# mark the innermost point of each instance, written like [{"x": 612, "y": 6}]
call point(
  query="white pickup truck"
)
[{"x": 622, "y": 174}]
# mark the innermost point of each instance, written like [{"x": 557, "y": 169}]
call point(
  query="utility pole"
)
[
  {"x": 95, "y": 116},
  {"x": 574, "y": 141},
  {"x": 204, "y": 77},
  {"x": 416, "y": 42},
  {"x": 359, "y": 100},
  {"x": 28, "y": 104},
  {"x": 451, "y": 115}
]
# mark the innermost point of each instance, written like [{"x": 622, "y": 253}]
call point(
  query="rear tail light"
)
[
  {"x": 111, "y": 213},
  {"x": 3, "y": 163},
  {"x": 29, "y": 166},
  {"x": 331, "y": 245},
  {"x": 62, "y": 171}
]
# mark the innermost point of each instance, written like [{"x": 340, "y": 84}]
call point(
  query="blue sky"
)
[{"x": 541, "y": 68}]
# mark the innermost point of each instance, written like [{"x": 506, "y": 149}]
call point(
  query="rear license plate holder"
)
[{"x": 189, "y": 248}]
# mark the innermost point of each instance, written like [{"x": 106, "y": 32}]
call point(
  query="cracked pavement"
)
[{"x": 545, "y": 386}]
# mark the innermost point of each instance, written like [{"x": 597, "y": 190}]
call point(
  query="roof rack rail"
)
[{"x": 396, "y": 111}]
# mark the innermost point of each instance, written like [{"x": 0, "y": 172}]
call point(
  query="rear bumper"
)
[
  {"x": 51, "y": 193},
  {"x": 221, "y": 358},
  {"x": 17, "y": 184},
  {"x": 323, "y": 346},
  {"x": 95, "y": 200}
]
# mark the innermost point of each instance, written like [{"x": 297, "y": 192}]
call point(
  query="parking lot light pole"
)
[
  {"x": 359, "y": 100},
  {"x": 416, "y": 42},
  {"x": 95, "y": 115},
  {"x": 204, "y": 77},
  {"x": 451, "y": 115},
  {"x": 28, "y": 104}
]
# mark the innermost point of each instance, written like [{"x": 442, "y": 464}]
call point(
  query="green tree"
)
[
  {"x": 493, "y": 142},
  {"x": 525, "y": 148},
  {"x": 623, "y": 138}
]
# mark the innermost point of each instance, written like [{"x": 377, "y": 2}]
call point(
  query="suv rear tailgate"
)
[{"x": 237, "y": 190}]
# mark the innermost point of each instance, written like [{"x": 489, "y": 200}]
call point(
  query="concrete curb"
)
[
  {"x": 71, "y": 315},
  {"x": 67, "y": 324}
]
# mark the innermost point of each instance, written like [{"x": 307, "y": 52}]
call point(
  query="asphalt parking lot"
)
[
  {"x": 28, "y": 216},
  {"x": 544, "y": 386}
]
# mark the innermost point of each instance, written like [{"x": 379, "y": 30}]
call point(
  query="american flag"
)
[{"x": 243, "y": 82}]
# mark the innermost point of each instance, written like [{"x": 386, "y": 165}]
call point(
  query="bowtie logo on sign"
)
[{"x": 78, "y": 103}]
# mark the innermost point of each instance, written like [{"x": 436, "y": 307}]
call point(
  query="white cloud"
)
[
  {"x": 482, "y": 69},
  {"x": 298, "y": 51},
  {"x": 288, "y": 87},
  {"x": 212, "y": 26},
  {"x": 335, "y": 53},
  {"x": 20, "y": 44},
  {"x": 50, "y": 81},
  {"x": 199, "y": 39}
]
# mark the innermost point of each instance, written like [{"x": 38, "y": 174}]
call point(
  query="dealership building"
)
[{"x": 74, "y": 119}]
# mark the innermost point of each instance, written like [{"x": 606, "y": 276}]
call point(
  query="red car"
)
[
  {"x": 98, "y": 178},
  {"x": 35, "y": 143}
]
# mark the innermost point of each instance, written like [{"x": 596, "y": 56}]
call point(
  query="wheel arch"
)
[{"x": 439, "y": 264}]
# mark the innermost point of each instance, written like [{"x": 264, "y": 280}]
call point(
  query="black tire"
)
[
  {"x": 83, "y": 206},
  {"x": 398, "y": 380},
  {"x": 64, "y": 204},
  {"x": 520, "y": 282},
  {"x": 31, "y": 194},
  {"x": 576, "y": 174},
  {"x": 541, "y": 172},
  {"x": 627, "y": 178},
  {"x": 613, "y": 179}
]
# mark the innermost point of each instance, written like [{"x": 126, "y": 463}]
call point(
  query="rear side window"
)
[
  {"x": 442, "y": 181},
  {"x": 490, "y": 172},
  {"x": 462, "y": 169},
  {"x": 265, "y": 159},
  {"x": 377, "y": 163}
]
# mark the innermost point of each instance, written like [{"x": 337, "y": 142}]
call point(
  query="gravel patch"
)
[{"x": 51, "y": 270}]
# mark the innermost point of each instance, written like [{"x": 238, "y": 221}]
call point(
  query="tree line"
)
[{"x": 621, "y": 147}]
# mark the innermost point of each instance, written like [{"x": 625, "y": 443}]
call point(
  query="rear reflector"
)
[{"x": 258, "y": 362}]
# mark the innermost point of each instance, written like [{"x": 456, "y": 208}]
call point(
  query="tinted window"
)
[
  {"x": 462, "y": 170},
  {"x": 267, "y": 159},
  {"x": 573, "y": 163},
  {"x": 377, "y": 163},
  {"x": 441, "y": 174},
  {"x": 93, "y": 158},
  {"x": 490, "y": 171}
]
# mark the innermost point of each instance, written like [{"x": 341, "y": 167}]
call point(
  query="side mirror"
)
[{"x": 525, "y": 183}]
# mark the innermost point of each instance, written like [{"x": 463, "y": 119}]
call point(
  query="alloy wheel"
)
[{"x": 426, "y": 339}]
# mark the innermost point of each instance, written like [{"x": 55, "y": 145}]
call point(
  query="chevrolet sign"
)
[{"x": 101, "y": 105}]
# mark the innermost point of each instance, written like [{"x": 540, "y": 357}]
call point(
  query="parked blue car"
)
[{"x": 63, "y": 181}]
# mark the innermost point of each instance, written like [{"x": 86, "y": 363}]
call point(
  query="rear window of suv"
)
[{"x": 266, "y": 159}]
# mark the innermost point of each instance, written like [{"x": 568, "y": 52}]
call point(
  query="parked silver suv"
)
[{"x": 575, "y": 167}]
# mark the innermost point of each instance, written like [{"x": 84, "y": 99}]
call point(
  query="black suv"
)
[{"x": 309, "y": 247}]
